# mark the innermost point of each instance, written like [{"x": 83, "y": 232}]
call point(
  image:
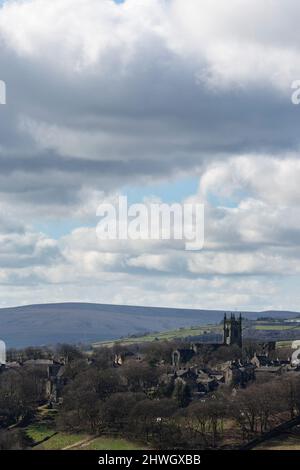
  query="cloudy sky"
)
[{"x": 178, "y": 100}]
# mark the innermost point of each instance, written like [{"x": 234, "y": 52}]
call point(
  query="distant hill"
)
[{"x": 44, "y": 324}]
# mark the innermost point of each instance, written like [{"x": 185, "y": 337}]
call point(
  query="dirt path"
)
[
  {"x": 85, "y": 444},
  {"x": 82, "y": 443}
]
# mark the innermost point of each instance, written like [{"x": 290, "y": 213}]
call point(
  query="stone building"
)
[
  {"x": 55, "y": 382},
  {"x": 232, "y": 335},
  {"x": 238, "y": 373},
  {"x": 182, "y": 356},
  {"x": 232, "y": 328}
]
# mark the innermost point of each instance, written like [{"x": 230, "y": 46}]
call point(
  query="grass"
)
[
  {"x": 276, "y": 327},
  {"x": 285, "y": 344},
  {"x": 44, "y": 430},
  {"x": 39, "y": 431},
  {"x": 167, "y": 335},
  {"x": 192, "y": 331},
  {"x": 61, "y": 440},
  {"x": 106, "y": 443}
]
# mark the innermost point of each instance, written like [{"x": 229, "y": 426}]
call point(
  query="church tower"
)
[{"x": 233, "y": 330}]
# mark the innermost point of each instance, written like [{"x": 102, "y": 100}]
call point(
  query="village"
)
[{"x": 202, "y": 368}]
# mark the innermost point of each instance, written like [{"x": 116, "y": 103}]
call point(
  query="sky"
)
[{"x": 182, "y": 101}]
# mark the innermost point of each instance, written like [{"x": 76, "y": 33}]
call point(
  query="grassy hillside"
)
[
  {"x": 166, "y": 335},
  {"x": 271, "y": 329},
  {"x": 86, "y": 323}
]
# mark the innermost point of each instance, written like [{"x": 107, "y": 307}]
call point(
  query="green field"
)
[
  {"x": 43, "y": 435},
  {"x": 284, "y": 344},
  {"x": 183, "y": 333},
  {"x": 106, "y": 443},
  {"x": 44, "y": 430},
  {"x": 275, "y": 327},
  {"x": 167, "y": 335},
  {"x": 39, "y": 431},
  {"x": 60, "y": 441}
]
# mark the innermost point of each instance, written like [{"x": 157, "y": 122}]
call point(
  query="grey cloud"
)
[
  {"x": 155, "y": 119},
  {"x": 89, "y": 110}
]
